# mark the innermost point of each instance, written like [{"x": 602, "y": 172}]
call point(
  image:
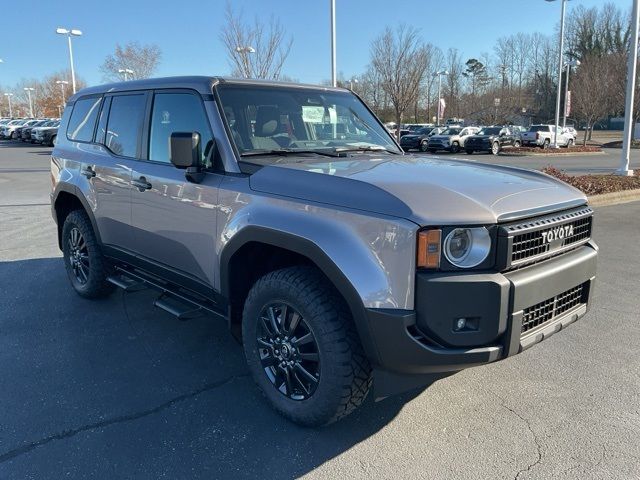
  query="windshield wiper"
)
[
  {"x": 289, "y": 151},
  {"x": 366, "y": 149}
]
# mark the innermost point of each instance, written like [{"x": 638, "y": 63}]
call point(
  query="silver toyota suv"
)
[{"x": 339, "y": 261}]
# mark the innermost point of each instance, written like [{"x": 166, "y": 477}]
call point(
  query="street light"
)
[
  {"x": 29, "y": 90},
  {"x": 69, "y": 33},
  {"x": 243, "y": 51},
  {"x": 439, "y": 74},
  {"x": 568, "y": 65},
  {"x": 126, "y": 71},
  {"x": 62, "y": 83},
  {"x": 560, "y": 64},
  {"x": 9, "y": 95},
  {"x": 334, "y": 78},
  {"x": 631, "y": 86}
]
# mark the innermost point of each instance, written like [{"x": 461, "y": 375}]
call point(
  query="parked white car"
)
[{"x": 452, "y": 139}]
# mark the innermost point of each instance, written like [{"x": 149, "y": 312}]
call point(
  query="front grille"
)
[
  {"x": 542, "y": 237},
  {"x": 544, "y": 312}
]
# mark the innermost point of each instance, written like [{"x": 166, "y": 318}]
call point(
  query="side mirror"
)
[{"x": 184, "y": 149}]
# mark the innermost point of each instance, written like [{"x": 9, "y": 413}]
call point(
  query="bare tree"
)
[
  {"x": 142, "y": 60},
  {"x": 401, "y": 61},
  {"x": 591, "y": 102},
  {"x": 255, "y": 50}
]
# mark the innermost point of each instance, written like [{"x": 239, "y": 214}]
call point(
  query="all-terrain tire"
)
[
  {"x": 93, "y": 282},
  {"x": 344, "y": 377}
]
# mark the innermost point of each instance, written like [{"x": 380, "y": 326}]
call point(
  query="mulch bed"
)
[{"x": 596, "y": 184}]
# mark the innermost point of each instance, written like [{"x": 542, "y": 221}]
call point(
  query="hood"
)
[
  {"x": 480, "y": 137},
  {"x": 427, "y": 191}
]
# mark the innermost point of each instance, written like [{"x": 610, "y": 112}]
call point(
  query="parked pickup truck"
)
[
  {"x": 337, "y": 260},
  {"x": 542, "y": 136}
]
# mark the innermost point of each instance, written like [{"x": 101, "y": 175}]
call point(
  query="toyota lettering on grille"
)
[{"x": 557, "y": 233}]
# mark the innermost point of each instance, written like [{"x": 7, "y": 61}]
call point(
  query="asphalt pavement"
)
[{"x": 119, "y": 389}]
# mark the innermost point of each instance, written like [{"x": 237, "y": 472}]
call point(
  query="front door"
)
[{"x": 174, "y": 220}]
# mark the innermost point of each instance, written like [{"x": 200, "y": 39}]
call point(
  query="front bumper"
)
[{"x": 424, "y": 341}]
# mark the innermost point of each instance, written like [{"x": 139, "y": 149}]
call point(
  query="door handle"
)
[
  {"x": 141, "y": 184},
  {"x": 88, "y": 172}
]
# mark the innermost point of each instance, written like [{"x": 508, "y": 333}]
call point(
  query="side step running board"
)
[
  {"x": 181, "y": 310},
  {"x": 174, "y": 300}
]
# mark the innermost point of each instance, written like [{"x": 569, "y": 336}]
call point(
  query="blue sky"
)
[{"x": 187, "y": 32}]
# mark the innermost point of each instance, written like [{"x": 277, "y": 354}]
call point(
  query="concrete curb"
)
[
  {"x": 614, "y": 198},
  {"x": 548, "y": 155}
]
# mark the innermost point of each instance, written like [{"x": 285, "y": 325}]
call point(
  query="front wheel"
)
[
  {"x": 302, "y": 347},
  {"x": 469, "y": 151},
  {"x": 516, "y": 144},
  {"x": 455, "y": 147},
  {"x": 86, "y": 268},
  {"x": 495, "y": 148},
  {"x": 53, "y": 141},
  {"x": 570, "y": 143},
  {"x": 424, "y": 146}
]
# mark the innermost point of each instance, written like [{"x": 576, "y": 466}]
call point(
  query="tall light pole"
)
[
  {"x": 244, "y": 51},
  {"x": 631, "y": 87},
  {"x": 125, "y": 72},
  {"x": 29, "y": 90},
  {"x": 69, "y": 33},
  {"x": 560, "y": 68},
  {"x": 62, "y": 83},
  {"x": 439, "y": 74},
  {"x": 572, "y": 63},
  {"x": 334, "y": 78},
  {"x": 9, "y": 95}
]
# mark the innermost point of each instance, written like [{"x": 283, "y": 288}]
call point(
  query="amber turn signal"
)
[{"x": 429, "y": 249}]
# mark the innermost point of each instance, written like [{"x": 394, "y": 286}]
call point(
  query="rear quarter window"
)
[{"x": 83, "y": 119}]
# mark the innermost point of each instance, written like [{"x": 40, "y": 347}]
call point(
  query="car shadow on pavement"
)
[{"x": 93, "y": 384}]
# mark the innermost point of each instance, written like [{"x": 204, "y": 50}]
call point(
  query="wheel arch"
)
[
  {"x": 65, "y": 199},
  {"x": 283, "y": 249}
]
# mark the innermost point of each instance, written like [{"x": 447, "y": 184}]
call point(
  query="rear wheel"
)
[
  {"x": 495, "y": 148},
  {"x": 455, "y": 147},
  {"x": 570, "y": 143},
  {"x": 469, "y": 151},
  {"x": 516, "y": 144},
  {"x": 86, "y": 268},
  {"x": 424, "y": 146},
  {"x": 431, "y": 150},
  {"x": 546, "y": 143},
  {"x": 302, "y": 347},
  {"x": 53, "y": 141}
]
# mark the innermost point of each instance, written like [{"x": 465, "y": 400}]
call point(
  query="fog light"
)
[{"x": 467, "y": 324}]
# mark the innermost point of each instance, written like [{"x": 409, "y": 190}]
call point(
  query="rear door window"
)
[
  {"x": 83, "y": 119},
  {"x": 124, "y": 127}
]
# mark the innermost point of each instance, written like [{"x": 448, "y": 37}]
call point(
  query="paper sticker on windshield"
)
[{"x": 312, "y": 114}]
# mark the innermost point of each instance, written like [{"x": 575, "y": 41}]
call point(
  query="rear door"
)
[
  {"x": 105, "y": 178},
  {"x": 174, "y": 220}
]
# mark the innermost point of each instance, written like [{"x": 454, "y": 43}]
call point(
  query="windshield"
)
[
  {"x": 451, "y": 131},
  {"x": 424, "y": 131},
  {"x": 490, "y": 131},
  {"x": 266, "y": 120}
]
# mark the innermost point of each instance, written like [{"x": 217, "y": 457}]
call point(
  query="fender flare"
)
[
  {"x": 313, "y": 252},
  {"x": 75, "y": 192}
]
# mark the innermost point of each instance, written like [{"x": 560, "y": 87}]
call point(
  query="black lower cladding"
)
[{"x": 431, "y": 339}]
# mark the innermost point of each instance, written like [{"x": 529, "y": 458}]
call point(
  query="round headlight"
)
[{"x": 467, "y": 247}]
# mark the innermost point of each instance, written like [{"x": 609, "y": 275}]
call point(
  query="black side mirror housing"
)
[{"x": 184, "y": 149}]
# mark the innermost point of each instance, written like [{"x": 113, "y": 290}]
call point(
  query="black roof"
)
[{"x": 201, "y": 84}]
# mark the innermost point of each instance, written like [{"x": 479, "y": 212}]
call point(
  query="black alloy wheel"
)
[
  {"x": 455, "y": 147},
  {"x": 78, "y": 256},
  {"x": 424, "y": 145},
  {"x": 288, "y": 351}
]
